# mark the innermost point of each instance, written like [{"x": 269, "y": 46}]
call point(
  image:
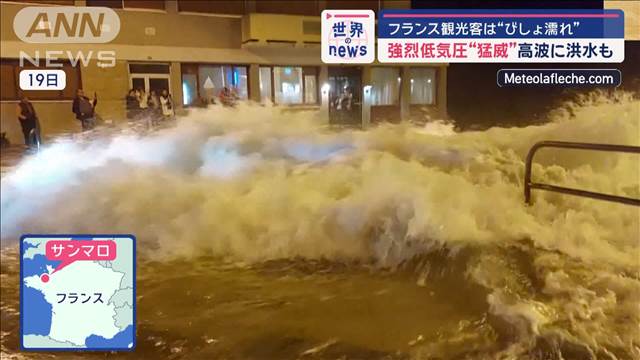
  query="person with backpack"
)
[
  {"x": 28, "y": 121},
  {"x": 85, "y": 110}
]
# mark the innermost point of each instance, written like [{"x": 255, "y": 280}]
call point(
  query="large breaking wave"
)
[{"x": 255, "y": 183}]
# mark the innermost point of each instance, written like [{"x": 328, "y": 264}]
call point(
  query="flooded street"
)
[{"x": 263, "y": 235}]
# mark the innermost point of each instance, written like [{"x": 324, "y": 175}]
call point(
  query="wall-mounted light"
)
[
  {"x": 325, "y": 88},
  {"x": 399, "y": 79},
  {"x": 367, "y": 89}
]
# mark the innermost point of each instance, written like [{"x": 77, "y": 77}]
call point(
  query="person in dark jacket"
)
[
  {"x": 28, "y": 119},
  {"x": 85, "y": 109},
  {"x": 132, "y": 104}
]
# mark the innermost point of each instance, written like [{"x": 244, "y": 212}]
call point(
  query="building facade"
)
[{"x": 263, "y": 50}]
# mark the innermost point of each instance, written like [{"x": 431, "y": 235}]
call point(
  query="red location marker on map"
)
[{"x": 44, "y": 278}]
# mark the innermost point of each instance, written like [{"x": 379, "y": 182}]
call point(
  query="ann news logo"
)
[
  {"x": 348, "y": 36},
  {"x": 66, "y": 25}
]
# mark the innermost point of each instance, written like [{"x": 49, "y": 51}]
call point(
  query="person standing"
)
[
  {"x": 167, "y": 104},
  {"x": 28, "y": 120},
  {"x": 143, "y": 101},
  {"x": 132, "y": 104},
  {"x": 154, "y": 105},
  {"x": 85, "y": 109}
]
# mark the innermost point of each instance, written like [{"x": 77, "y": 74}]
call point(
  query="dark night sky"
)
[{"x": 475, "y": 99}]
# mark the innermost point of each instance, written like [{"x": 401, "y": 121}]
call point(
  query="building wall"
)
[
  {"x": 55, "y": 118},
  {"x": 173, "y": 37},
  {"x": 170, "y": 28}
]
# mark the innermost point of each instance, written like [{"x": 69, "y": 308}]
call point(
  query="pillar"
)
[
  {"x": 254, "y": 82},
  {"x": 366, "y": 97},
  {"x": 323, "y": 80},
  {"x": 441, "y": 94},
  {"x": 176, "y": 84},
  {"x": 405, "y": 93}
]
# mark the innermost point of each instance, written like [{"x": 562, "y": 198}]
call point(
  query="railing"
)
[{"x": 528, "y": 185}]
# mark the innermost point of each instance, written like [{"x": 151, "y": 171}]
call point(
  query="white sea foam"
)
[{"x": 258, "y": 183}]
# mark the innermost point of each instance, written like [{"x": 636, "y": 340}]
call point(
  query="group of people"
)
[
  {"x": 83, "y": 108},
  {"x": 140, "y": 104}
]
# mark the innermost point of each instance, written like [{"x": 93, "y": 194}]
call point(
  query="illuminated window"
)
[
  {"x": 310, "y": 89},
  {"x": 287, "y": 84},
  {"x": 423, "y": 86},
  {"x": 265, "y": 84},
  {"x": 189, "y": 86},
  {"x": 204, "y": 82},
  {"x": 385, "y": 86},
  {"x": 291, "y": 84}
]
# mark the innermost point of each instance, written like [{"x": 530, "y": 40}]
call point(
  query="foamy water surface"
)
[{"x": 266, "y": 234}]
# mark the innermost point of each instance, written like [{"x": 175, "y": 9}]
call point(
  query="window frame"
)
[
  {"x": 436, "y": 80},
  {"x": 147, "y": 76},
  {"x": 397, "y": 101},
  {"x": 123, "y": 7},
  {"x": 303, "y": 89},
  {"x": 218, "y": 14},
  {"x": 197, "y": 74}
]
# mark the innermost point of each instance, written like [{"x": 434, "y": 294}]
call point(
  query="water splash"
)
[{"x": 256, "y": 183}]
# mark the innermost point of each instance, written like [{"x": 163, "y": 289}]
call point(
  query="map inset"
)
[{"x": 77, "y": 292}]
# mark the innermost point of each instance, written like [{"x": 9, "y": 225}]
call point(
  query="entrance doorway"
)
[{"x": 345, "y": 95}]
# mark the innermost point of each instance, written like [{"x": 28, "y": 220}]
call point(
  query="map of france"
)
[{"x": 78, "y": 292}]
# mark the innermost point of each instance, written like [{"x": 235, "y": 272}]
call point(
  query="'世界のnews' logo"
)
[
  {"x": 66, "y": 24},
  {"x": 348, "y": 36}
]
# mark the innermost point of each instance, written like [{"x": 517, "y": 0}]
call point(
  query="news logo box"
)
[
  {"x": 348, "y": 36},
  {"x": 66, "y": 25}
]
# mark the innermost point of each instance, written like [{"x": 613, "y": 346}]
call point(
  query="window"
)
[
  {"x": 128, "y": 4},
  {"x": 353, "y": 4},
  {"x": 150, "y": 77},
  {"x": 385, "y": 86},
  {"x": 305, "y": 7},
  {"x": 310, "y": 89},
  {"x": 291, "y": 84},
  {"x": 144, "y": 4},
  {"x": 310, "y": 85},
  {"x": 288, "y": 85},
  {"x": 265, "y": 84},
  {"x": 114, "y": 4},
  {"x": 189, "y": 86},
  {"x": 205, "y": 81},
  {"x": 10, "y": 75},
  {"x": 216, "y": 7},
  {"x": 50, "y": 2},
  {"x": 423, "y": 82}
]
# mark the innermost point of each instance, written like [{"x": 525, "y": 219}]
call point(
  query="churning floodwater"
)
[{"x": 264, "y": 234}]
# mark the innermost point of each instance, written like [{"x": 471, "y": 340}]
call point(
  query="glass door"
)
[{"x": 345, "y": 95}]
